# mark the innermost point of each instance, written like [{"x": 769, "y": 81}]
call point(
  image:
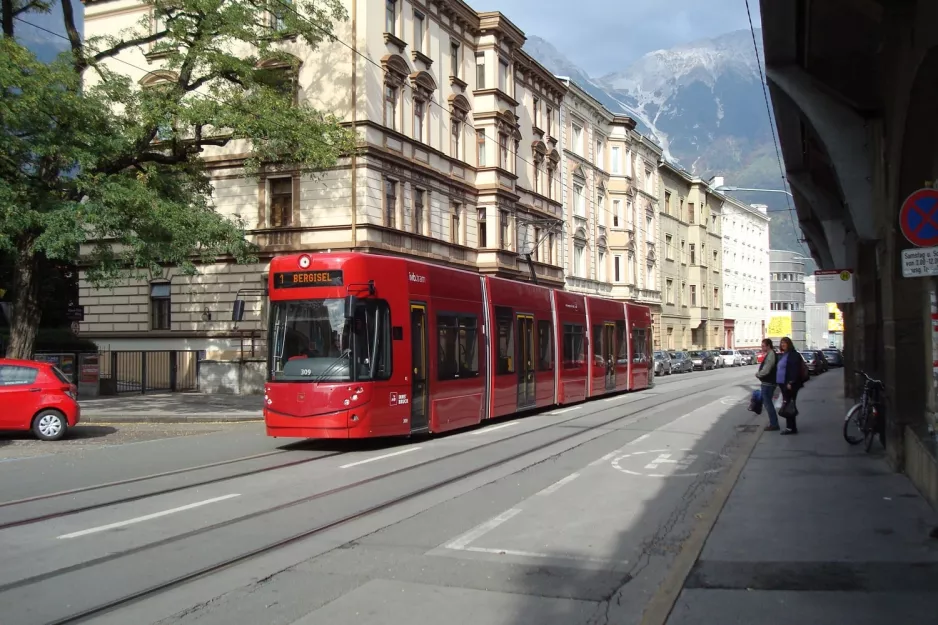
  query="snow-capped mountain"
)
[{"x": 703, "y": 103}]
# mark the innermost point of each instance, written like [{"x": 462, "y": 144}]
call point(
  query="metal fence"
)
[{"x": 149, "y": 371}]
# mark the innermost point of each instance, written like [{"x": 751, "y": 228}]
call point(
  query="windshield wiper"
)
[{"x": 335, "y": 363}]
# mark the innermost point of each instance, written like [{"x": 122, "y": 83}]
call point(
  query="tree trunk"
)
[{"x": 26, "y": 310}]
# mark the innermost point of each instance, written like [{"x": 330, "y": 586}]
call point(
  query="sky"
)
[{"x": 603, "y": 36}]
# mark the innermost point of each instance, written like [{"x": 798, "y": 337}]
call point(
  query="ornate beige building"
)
[
  {"x": 610, "y": 190},
  {"x": 460, "y": 164}
]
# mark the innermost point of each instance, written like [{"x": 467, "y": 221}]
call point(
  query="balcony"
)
[
  {"x": 698, "y": 315},
  {"x": 589, "y": 287},
  {"x": 647, "y": 296}
]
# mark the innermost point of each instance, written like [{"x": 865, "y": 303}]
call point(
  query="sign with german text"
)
[
  {"x": 306, "y": 279},
  {"x": 834, "y": 286},
  {"x": 920, "y": 262}
]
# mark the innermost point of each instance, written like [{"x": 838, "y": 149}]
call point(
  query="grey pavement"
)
[
  {"x": 816, "y": 532},
  {"x": 172, "y": 408},
  {"x": 562, "y": 517}
]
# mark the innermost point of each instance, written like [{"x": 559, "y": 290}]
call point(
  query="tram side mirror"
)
[
  {"x": 350, "y": 302},
  {"x": 237, "y": 310}
]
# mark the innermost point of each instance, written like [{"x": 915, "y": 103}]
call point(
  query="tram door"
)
[
  {"x": 526, "y": 347},
  {"x": 609, "y": 354},
  {"x": 419, "y": 395}
]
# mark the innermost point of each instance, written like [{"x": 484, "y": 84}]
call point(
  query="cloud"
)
[{"x": 603, "y": 36}]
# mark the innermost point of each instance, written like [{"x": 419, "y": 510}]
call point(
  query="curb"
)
[
  {"x": 658, "y": 609},
  {"x": 93, "y": 419}
]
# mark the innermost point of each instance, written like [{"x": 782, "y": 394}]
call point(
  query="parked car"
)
[
  {"x": 816, "y": 362},
  {"x": 680, "y": 362},
  {"x": 749, "y": 356},
  {"x": 37, "y": 396},
  {"x": 662, "y": 363},
  {"x": 702, "y": 360},
  {"x": 731, "y": 358},
  {"x": 833, "y": 356}
]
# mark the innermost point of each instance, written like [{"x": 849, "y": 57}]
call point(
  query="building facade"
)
[
  {"x": 787, "y": 297},
  {"x": 674, "y": 328},
  {"x": 460, "y": 164},
  {"x": 746, "y": 283}
]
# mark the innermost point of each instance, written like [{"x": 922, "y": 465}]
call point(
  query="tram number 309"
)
[{"x": 399, "y": 399}]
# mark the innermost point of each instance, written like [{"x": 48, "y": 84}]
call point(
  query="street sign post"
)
[{"x": 918, "y": 218}]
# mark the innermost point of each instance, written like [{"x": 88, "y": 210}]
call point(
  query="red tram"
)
[{"x": 362, "y": 346}]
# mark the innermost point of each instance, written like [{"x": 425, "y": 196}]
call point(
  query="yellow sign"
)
[
  {"x": 835, "y": 319},
  {"x": 844, "y": 275},
  {"x": 779, "y": 325},
  {"x": 2, "y": 292}
]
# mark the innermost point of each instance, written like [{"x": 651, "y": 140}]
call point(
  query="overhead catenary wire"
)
[{"x": 775, "y": 141}]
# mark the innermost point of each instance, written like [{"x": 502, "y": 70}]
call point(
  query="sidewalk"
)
[
  {"x": 172, "y": 408},
  {"x": 816, "y": 532}
]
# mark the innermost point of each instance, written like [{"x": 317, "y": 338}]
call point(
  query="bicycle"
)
[{"x": 868, "y": 414}]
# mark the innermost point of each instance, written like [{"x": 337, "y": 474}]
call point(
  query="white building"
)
[{"x": 746, "y": 285}]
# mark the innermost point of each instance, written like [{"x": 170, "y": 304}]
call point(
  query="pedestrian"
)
[
  {"x": 790, "y": 377},
  {"x": 767, "y": 375}
]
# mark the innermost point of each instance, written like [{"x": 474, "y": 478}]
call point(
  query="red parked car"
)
[{"x": 37, "y": 396}]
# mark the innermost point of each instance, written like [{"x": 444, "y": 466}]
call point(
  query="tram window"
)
[
  {"x": 457, "y": 346},
  {"x": 545, "y": 346},
  {"x": 506, "y": 340},
  {"x": 639, "y": 347},
  {"x": 573, "y": 357},
  {"x": 622, "y": 352},
  {"x": 598, "y": 345},
  {"x": 372, "y": 340}
]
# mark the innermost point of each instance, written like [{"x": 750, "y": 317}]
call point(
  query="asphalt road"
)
[{"x": 569, "y": 516}]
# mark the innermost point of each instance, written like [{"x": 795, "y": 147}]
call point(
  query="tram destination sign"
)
[{"x": 301, "y": 279}]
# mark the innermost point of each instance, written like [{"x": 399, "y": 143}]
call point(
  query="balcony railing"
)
[
  {"x": 647, "y": 296},
  {"x": 585, "y": 285}
]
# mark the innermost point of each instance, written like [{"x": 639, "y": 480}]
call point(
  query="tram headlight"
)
[{"x": 346, "y": 402}]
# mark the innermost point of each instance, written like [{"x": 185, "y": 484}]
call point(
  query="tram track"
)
[
  {"x": 387, "y": 503},
  {"x": 217, "y": 480}
]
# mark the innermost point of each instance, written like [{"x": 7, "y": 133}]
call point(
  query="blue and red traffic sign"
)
[{"x": 918, "y": 218}]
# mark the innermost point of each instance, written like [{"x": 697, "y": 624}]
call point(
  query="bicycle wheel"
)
[{"x": 855, "y": 422}]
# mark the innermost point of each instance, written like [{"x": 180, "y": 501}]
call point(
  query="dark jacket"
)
[
  {"x": 768, "y": 368},
  {"x": 793, "y": 369}
]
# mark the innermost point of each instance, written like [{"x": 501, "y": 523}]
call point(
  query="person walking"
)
[
  {"x": 767, "y": 375},
  {"x": 789, "y": 376}
]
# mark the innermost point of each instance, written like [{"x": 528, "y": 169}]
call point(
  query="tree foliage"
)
[{"x": 96, "y": 166}]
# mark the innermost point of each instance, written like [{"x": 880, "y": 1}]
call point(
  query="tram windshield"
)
[{"x": 313, "y": 341}]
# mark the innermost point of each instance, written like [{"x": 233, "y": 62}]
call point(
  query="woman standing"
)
[
  {"x": 790, "y": 379},
  {"x": 767, "y": 375}
]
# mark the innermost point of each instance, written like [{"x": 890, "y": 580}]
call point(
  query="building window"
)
[
  {"x": 418, "y": 211},
  {"x": 504, "y": 232},
  {"x": 537, "y": 176},
  {"x": 480, "y": 70},
  {"x": 390, "y": 203},
  {"x": 578, "y": 139},
  {"x": 599, "y": 155},
  {"x": 419, "y": 25},
  {"x": 649, "y": 182},
  {"x": 631, "y": 268},
  {"x": 669, "y": 291},
  {"x": 668, "y": 252},
  {"x": 455, "y": 138},
  {"x": 716, "y": 297},
  {"x": 550, "y": 182},
  {"x": 693, "y": 254},
  {"x": 160, "y": 306},
  {"x": 601, "y": 273},
  {"x": 535, "y": 111},
  {"x": 693, "y": 295},
  {"x": 281, "y": 202},
  {"x": 579, "y": 261},
  {"x": 503, "y": 150},
  {"x": 616, "y": 210},
  {"x": 650, "y": 282},
  {"x": 690, "y": 212},
  {"x": 550, "y": 249},
  {"x": 549, "y": 114},
  {"x": 390, "y": 106},
  {"x": 715, "y": 259},
  {"x": 455, "y": 58},
  {"x": 617, "y": 268},
  {"x": 277, "y": 22},
  {"x": 601, "y": 210},
  {"x": 390, "y": 16},
  {"x": 419, "y": 119},
  {"x": 579, "y": 201},
  {"x": 503, "y": 75},
  {"x": 667, "y": 202},
  {"x": 480, "y": 148},
  {"x": 454, "y": 231},
  {"x": 483, "y": 228},
  {"x": 616, "y": 157}
]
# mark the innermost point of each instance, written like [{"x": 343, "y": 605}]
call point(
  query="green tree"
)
[{"x": 96, "y": 169}]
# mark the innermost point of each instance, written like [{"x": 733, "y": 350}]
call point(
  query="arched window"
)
[
  {"x": 423, "y": 86},
  {"x": 396, "y": 71},
  {"x": 458, "y": 114},
  {"x": 280, "y": 74}
]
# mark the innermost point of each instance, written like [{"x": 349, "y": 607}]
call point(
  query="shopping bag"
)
[
  {"x": 788, "y": 409},
  {"x": 777, "y": 400},
  {"x": 755, "y": 402}
]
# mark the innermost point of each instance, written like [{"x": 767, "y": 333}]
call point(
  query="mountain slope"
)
[{"x": 703, "y": 103}]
